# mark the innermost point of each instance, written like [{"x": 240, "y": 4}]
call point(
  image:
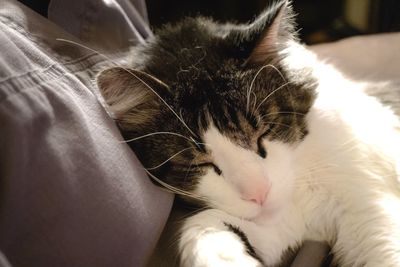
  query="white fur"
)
[
  {"x": 340, "y": 184},
  {"x": 244, "y": 171}
]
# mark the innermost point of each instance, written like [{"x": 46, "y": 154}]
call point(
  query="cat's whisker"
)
[
  {"x": 134, "y": 75},
  {"x": 190, "y": 167},
  {"x": 318, "y": 166},
  {"x": 284, "y": 112},
  {"x": 205, "y": 144},
  {"x": 199, "y": 143},
  {"x": 89, "y": 49},
  {"x": 276, "y": 123},
  {"x": 307, "y": 181},
  {"x": 270, "y": 94},
  {"x": 278, "y": 71},
  {"x": 277, "y": 135},
  {"x": 255, "y": 100},
  {"x": 197, "y": 210},
  {"x": 281, "y": 124},
  {"x": 174, "y": 189},
  {"x": 166, "y": 104},
  {"x": 170, "y": 158},
  {"x": 321, "y": 161},
  {"x": 157, "y": 133},
  {"x": 254, "y": 79},
  {"x": 314, "y": 171},
  {"x": 311, "y": 182}
]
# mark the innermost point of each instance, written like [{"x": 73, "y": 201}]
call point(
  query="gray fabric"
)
[
  {"x": 109, "y": 24},
  {"x": 312, "y": 254},
  {"x": 71, "y": 194}
]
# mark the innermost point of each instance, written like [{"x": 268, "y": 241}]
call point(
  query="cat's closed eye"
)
[
  {"x": 210, "y": 164},
  {"x": 261, "y": 151}
]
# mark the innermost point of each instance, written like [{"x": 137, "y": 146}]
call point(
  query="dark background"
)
[{"x": 318, "y": 21}]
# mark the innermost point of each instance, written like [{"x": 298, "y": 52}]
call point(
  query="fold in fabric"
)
[{"x": 106, "y": 25}]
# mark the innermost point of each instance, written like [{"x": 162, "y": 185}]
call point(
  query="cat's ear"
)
[
  {"x": 267, "y": 34},
  {"x": 131, "y": 95}
]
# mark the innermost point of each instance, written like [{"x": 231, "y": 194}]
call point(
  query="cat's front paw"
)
[{"x": 218, "y": 249}]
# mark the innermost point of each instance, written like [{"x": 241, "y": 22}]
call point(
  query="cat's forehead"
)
[
  {"x": 221, "y": 145},
  {"x": 188, "y": 49},
  {"x": 237, "y": 125},
  {"x": 196, "y": 60}
]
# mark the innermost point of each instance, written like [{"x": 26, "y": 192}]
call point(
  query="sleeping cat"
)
[{"x": 274, "y": 146}]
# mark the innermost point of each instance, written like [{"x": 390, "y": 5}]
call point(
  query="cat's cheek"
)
[
  {"x": 277, "y": 202},
  {"x": 280, "y": 169}
]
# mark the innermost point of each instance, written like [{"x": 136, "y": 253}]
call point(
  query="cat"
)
[{"x": 273, "y": 146}]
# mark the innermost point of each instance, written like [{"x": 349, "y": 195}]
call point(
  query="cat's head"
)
[{"x": 211, "y": 111}]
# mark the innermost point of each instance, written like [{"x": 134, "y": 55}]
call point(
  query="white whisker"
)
[
  {"x": 134, "y": 75},
  {"x": 327, "y": 179},
  {"x": 165, "y": 161},
  {"x": 190, "y": 167},
  {"x": 285, "y": 112},
  {"x": 157, "y": 133},
  {"x": 282, "y": 124},
  {"x": 174, "y": 189},
  {"x": 270, "y": 94},
  {"x": 255, "y": 100},
  {"x": 254, "y": 79}
]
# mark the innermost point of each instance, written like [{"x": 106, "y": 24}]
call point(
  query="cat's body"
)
[
  {"x": 347, "y": 194},
  {"x": 279, "y": 146}
]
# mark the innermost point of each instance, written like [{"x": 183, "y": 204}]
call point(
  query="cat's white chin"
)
[
  {"x": 251, "y": 211},
  {"x": 269, "y": 212},
  {"x": 241, "y": 209}
]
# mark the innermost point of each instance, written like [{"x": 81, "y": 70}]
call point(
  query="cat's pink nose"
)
[
  {"x": 259, "y": 200},
  {"x": 259, "y": 196}
]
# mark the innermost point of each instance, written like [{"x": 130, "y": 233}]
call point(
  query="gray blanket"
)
[{"x": 71, "y": 193}]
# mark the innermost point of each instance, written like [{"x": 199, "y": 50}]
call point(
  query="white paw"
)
[{"x": 215, "y": 248}]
